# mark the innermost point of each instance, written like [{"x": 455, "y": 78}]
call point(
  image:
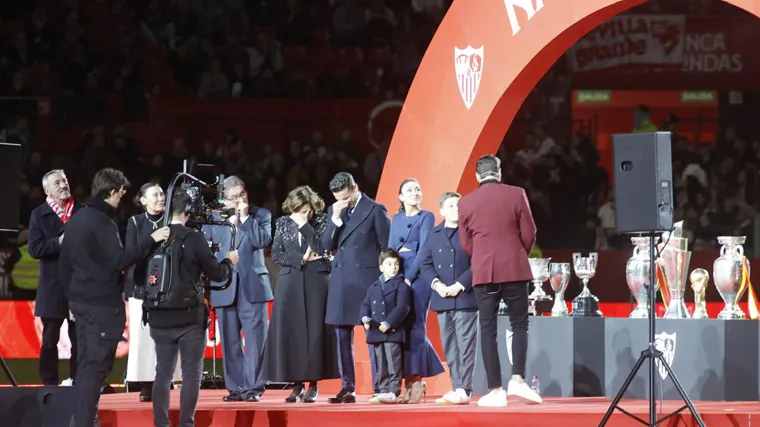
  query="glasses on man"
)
[{"x": 236, "y": 197}]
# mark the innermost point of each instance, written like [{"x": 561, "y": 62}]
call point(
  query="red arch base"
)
[{"x": 454, "y": 114}]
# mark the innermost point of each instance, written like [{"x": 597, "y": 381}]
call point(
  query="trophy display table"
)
[{"x": 715, "y": 360}]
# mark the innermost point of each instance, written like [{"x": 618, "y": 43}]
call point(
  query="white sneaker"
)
[
  {"x": 523, "y": 391},
  {"x": 68, "y": 382},
  {"x": 448, "y": 398},
  {"x": 387, "y": 398},
  {"x": 494, "y": 399},
  {"x": 374, "y": 400},
  {"x": 456, "y": 397},
  {"x": 464, "y": 398}
]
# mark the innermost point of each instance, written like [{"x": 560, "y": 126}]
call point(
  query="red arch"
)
[{"x": 437, "y": 136}]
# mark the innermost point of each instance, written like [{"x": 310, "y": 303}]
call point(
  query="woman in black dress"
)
[{"x": 300, "y": 347}]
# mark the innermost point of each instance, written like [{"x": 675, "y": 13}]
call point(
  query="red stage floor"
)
[{"x": 123, "y": 410}]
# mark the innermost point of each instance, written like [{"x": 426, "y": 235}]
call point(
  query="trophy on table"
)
[
  {"x": 728, "y": 275},
  {"x": 637, "y": 277},
  {"x": 559, "y": 277},
  {"x": 585, "y": 304},
  {"x": 674, "y": 260},
  {"x": 699, "y": 279},
  {"x": 539, "y": 268}
]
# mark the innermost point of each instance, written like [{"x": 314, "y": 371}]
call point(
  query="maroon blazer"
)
[{"x": 497, "y": 231}]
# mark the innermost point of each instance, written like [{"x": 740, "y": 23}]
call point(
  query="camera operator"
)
[
  {"x": 176, "y": 328},
  {"x": 90, "y": 267}
]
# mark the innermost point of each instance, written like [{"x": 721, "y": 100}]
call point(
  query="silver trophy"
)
[
  {"x": 539, "y": 268},
  {"x": 559, "y": 277},
  {"x": 674, "y": 260},
  {"x": 585, "y": 304},
  {"x": 727, "y": 275},
  {"x": 637, "y": 276}
]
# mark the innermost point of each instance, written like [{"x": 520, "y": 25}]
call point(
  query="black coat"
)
[
  {"x": 445, "y": 260},
  {"x": 357, "y": 244},
  {"x": 44, "y": 229},
  {"x": 93, "y": 257},
  {"x": 387, "y": 302},
  {"x": 138, "y": 227},
  {"x": 299, "y": 345}
]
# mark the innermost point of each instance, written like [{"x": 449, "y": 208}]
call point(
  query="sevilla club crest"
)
[
  {"x": 666, "y": 343},
  {"x": 468, "y": 64}
]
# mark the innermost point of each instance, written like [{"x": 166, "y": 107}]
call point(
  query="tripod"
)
[
  {"x": 8, "y": 373},
  {"x": 211, "y": 380},
  {"x": 652, "y": 354}
]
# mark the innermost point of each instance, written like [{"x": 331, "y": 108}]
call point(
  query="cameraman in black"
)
[{"x": 183, "y": 329}]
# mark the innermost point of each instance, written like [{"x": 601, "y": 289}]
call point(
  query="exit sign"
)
[
  {"x": 594, "y": 96},
  {"x": 698, "y": 96}
]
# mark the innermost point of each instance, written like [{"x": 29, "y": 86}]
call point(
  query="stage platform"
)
[{"x": 123, "y": 410}]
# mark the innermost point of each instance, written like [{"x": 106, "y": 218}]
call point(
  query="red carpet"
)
[{"x": 123, "y": 410}]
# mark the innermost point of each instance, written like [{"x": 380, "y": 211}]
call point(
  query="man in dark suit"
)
[
  {"x": 356, "y": 233},
  {"x": 446, "y": 267},
  {"x": 90, "y": 266},
  {"x": 243, "y": 306},
  {"x": 498, "y": 232},
  {"x": 51, "y": 306}
]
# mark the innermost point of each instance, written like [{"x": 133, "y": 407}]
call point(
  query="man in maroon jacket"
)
[{"x": 498, "y": 232}]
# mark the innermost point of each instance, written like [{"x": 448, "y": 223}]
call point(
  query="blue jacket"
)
[
  {"x": 251, "y": 239},
  {"x": 387, "y": 302},
  {"x": 445, "y": 260},
  {"x": 411, "y": 233}
]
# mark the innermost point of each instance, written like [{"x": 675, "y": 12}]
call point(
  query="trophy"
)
[
  {"x": 585, "y": 304},
  {"x": 699, "y": 278},
  {"x": 674, "y": 259},
  {"x": 637, "y": 277},
  {"x": 539, "y": 268},
  {"x": 727, "y": 274},
  {"x": 559, "y": 277}
]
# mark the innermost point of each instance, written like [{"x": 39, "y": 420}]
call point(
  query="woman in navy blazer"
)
[{"x": 409, "y": 231}]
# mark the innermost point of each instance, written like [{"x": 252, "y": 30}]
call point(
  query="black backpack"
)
[{"x": 165, "y": 288}]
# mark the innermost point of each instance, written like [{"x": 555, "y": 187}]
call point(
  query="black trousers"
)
[
  {"x": 51, "y": 333},
  {"x": 345, "y": 342},
  {"x": 99, "y": 330},
  {"x": 487, "y": 297},
  {"x": 189, "y": 342}
]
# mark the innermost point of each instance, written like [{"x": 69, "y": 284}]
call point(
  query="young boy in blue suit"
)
[{"x": 383, "y": 312}]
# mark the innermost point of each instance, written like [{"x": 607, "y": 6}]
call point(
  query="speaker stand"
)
[
  {"x": 8, "y": 373},
  {"x": 652, "y": 354},
  {"x": 212, "y": 380}
]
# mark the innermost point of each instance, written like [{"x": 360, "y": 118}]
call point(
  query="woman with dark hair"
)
[
  {"x": 141, "y": 360},
  {"x": 409, "y": 231},
  {"x": 300, "y": 347}
]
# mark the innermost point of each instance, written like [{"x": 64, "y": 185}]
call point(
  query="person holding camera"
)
[{"x": 178, "y": 323}]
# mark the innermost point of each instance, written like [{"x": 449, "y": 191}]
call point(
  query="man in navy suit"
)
[
  {"x": 243, "y": 306},
  {"x": 356, "y": 233},
  {"x": 51, "y": 306},
  {"x": 446, "y": 267}
]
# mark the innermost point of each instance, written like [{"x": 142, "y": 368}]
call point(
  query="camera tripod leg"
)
[
  {"x": 8, "y": 373},
  {"x": 616, "y": 401}
]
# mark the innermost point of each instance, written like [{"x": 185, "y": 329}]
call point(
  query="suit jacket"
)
[
  {"x": 250, "y": 273},
  {"x": 356, "y": 245},
  {"x": 411, "y": 233},
  {"x": 496, "y": 229},
  {"x": 387, "y": 302},
  {"x": 445, "y": 260},
  {"x": 44, "y": 229}
]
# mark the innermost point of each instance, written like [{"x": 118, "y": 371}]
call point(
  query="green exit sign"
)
[
  {"x": 594, "y": 96},
  {"x": 698, "y": 96}
]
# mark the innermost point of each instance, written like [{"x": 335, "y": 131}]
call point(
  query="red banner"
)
[{"x": 711, "y": 52}]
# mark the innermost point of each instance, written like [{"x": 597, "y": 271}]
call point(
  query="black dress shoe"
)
[
  {"x": 147, "y": 397},
  {"x": 311, "y": 395},
  {"x": 345, "y": 396},
  {"x": 296, "y": 395},
  {"x": 233, "y": 397}
]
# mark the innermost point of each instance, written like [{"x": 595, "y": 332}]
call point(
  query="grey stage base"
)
[
  {"x": 715, "y": 360},
  {"x": 566, "y": 353}
]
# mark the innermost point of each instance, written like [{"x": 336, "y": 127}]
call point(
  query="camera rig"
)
[{"x": 206, "y": 206}]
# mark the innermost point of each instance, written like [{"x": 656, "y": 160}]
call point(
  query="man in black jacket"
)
[
  {"x": 90, "y": 266},
  {"x": 183, "y": 330}
]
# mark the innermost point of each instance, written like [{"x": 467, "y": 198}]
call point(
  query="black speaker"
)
[
  {"x": 10, "y": 177},
  {"x": 643, "y": 182},
  {"x": 37, "y": 406}
]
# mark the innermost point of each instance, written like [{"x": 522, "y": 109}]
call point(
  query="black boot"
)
[{"x": 146, "y": 392}]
